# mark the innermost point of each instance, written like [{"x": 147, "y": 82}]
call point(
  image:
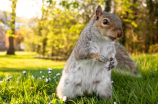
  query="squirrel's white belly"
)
[
  {"x": 92, "y": 73},
  {"x": 87, "y": 76}
]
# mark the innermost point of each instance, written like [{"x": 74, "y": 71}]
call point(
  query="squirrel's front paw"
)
[
  {"x": 94, "y": 56},
  {"x": 102, "y": 59},
  {"x": 113, "y": 63}
]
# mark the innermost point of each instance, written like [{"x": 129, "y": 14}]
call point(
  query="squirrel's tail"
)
[{"x": 124, "y": 60}]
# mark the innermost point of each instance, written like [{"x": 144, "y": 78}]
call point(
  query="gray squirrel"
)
[{"x": 88, "y": 69}]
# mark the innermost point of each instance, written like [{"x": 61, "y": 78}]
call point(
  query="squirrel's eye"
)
[{"x": 105, "y": 22}]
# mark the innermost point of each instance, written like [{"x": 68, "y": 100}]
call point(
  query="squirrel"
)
[{"x": 88, "y": 69}]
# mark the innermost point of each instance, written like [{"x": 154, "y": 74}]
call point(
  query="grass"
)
[
  {"x": 23, "y": 89},
  {"x": 25, "y": 61}
]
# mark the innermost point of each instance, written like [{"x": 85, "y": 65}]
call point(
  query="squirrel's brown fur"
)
[{"x": 124, "y": 60}]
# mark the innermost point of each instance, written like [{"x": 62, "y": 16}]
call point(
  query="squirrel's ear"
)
[
  {"x": 98, "y": 12},
  {"x": 114, "y": 10}
]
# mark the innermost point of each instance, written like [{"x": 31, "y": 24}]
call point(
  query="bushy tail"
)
[{"x": 124, "y": 60}]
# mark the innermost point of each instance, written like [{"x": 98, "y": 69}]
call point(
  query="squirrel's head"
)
[{"x": 108, "y": 24}]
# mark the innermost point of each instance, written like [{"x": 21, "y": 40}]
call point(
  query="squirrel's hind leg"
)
[
  {"x": 69, "y": 88},
  {"x": 104, "y": 85},
  {"x": 104, "y": 90}
]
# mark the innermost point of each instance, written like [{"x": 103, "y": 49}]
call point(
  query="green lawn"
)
[
  {"x": 24, "y": 89},
  {"x": 24, "y": 61}
]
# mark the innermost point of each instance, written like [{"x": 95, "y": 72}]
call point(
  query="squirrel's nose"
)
[{"x": 119, "y": 34}]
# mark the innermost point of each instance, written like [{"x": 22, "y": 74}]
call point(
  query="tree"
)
[
  {"x": 11, "y": 32},
  {"x": 107, "y": 5}
]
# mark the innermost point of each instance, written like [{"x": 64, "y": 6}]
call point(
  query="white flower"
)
[
  {"x": 58, "y": 74},
  {"x": 47, "y": 80},
  {"x": 40, "y": 78},
  {"x": 49, "y": 72},
  {"x": 41, "y": 72},
  {"x": 54, "y": 77},
  {"x": 50, "y": 69},
  {"x": 64, "y": 98},
  {"x": 33, "y": 77},
  {"x": 112, "y": 82},
  {"x": 9, "y": 78},
  {"x": 114, "y": 102},
  {"x": 24, "y": 72},
  {"x": 43, "y": 76},
  {"x": 1, "y": 82}
]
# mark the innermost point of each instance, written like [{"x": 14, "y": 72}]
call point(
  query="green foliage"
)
[
  {"x": 61, "y": 33},
  {"x": 153, "y": 48},
  {"x": 139, "y": 23},
  {"x": 61, "y": 23},
  {"x": 10, "y": 32},
  {"x": 64, "y": 32},
  {"x": 68, "y": 5}
]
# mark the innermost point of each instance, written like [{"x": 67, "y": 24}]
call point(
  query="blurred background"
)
[{"x": 52, "y": 27}]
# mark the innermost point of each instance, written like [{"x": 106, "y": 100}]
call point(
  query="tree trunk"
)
[
  {"x": 44, "y": 46},
  {"x": 107, "y": 5},
  {"x": 11, "y": 50}
]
